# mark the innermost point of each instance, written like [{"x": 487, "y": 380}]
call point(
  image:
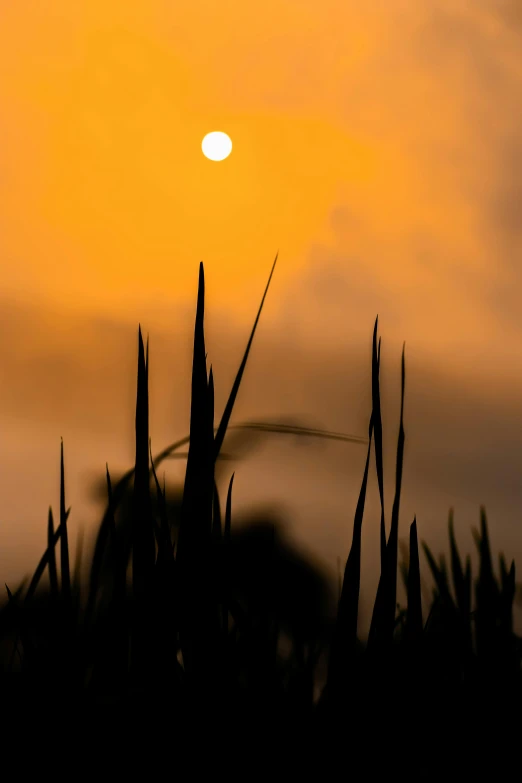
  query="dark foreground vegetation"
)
[{"x": 189, "y": 620}]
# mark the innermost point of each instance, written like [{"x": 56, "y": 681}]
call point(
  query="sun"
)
[{"x": 216, "y": 145}]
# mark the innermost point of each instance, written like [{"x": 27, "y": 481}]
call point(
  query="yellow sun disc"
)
[{"x": 216, "y": 146}]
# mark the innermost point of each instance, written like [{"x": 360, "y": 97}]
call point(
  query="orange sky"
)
[{"x": 377, "y": 146}]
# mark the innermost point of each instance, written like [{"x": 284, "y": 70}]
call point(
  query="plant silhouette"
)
[{"x": 200, "y": 613}]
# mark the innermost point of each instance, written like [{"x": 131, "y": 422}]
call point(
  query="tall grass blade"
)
[
  {"x": 220, "y": 436},
  {"x": 486, "y": 593},
  {"x": 64, "y": 541},
  {"x": 486, "y": 562},
  {"x": 196, "y": 518},
  {"x": 193, "y": 549},
  {"x": 118, "y": 568},
  {"x": 376, "y": 409},
  {"x": 53, "y": 576},
  {"x": 345, "y": 633},
  {"x": 143, "y": 544},
  {"x": 383, "y": 619},
  {"x": 143, "y": 547},
  {"x": 414, "y": 615}
]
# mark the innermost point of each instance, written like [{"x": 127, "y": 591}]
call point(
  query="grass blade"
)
[
  {"x": 220, "y": 436},
  {"x": 143, "y": 544},
  {"x": 486, "y": 592},
  {"x": 462, "y": 587},
  {"x": 64, "y": 542},
  {"x": 414, "y": 615},
  {"x": 53, "y": 576},
  {"x": 383, "y": 618},
  {"x": 193, "y": 549},
  {"x": 196, "y": 519},
  {"x": 345, "y": 632},
  {"x": 376, "y": 409},
  {"x": 143, "y": 547},
  {"x": 459, "y": 585},
  {"x": 42, "y": 565}
]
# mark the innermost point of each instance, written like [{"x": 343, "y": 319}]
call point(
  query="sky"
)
[{"x": 376, "y": 146}]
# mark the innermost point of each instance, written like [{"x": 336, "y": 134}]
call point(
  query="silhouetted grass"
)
[{"x": 189, "y": 613}]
